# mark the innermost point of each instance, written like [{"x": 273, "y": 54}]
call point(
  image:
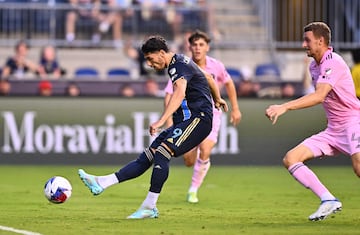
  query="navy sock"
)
[
  {"x": 137, "y": 167},
  {"x": 160, "y": 171}
]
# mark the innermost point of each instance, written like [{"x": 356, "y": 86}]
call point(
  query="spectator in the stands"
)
[
  {"x": 45, "y": 88},
  {"x": 184, "y": 46},
  {"x": 152, "y": 88},
  {"x": 87, "y": 10},
  {"x": 288, "y": 90},
  {"x": 19, "y": 66},
  {"x": 248, "y": 88},
  {"x": 5, "y": 87},
  {"x": 102, "y": 13},
  {"x": 73, "y": 90},
  {"x": 137, "y": 58},
  {"x": 127, "y": 91},
  {"x": 151, "y": 9},
  {"x": 160, "y": 14},
  {"x": 114, "y": 15},
  {"x": 192, "y": 15},
  {"x": 187, "y": 14},
  {"x": 49, "y": 66}
]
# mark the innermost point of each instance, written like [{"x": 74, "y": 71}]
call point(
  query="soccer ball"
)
[{"x": 57, "y": 189}]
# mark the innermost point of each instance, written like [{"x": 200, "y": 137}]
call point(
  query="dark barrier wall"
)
[{"x": 54, "y": 130}]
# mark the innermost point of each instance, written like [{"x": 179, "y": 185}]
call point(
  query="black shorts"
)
[{"x": 184, "y": 136}]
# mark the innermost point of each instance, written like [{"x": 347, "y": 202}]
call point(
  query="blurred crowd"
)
[
  {"x": 174, "y": 16},
  {"x": 48, "y": 69},
  {"x": 181, "y": 16}
]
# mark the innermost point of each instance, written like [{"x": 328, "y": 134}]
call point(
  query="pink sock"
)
[
  {"x": 307, "y": 178},
  {"x": 200, "y": 170}
]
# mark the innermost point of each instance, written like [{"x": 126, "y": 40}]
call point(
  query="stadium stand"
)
[
  {"x": 118, "y": 73},
  {"x": 267, "y": 72},
  {"x": 86, "y": 72},
  {"x": 247, "y": 35}
]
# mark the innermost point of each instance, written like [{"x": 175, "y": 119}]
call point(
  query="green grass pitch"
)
[{"x": 233, "y": 200}]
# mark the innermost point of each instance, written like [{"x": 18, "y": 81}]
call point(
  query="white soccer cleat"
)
[
  {"x": 326, "y": 208},
  {"x": 192, "y": 197}
]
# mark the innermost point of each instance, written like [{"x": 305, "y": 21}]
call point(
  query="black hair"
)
[{"x": 154, "y": 44}]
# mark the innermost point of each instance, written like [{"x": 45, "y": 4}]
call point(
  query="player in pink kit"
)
[
  {"x": 200, "y": 156},
  {"x": 334, "y": 89}
]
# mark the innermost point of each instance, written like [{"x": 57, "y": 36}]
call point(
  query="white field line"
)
[{"x": 24, "y": 232}]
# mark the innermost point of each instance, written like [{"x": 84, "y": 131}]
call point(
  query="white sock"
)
[
  {"x": 327, "y": 196},
  {"x": 150, "y": 200},
  {"x": 70, "y": 37},
  {"x": 107, "y": 180},
  {"x": 193, "y": 189}
]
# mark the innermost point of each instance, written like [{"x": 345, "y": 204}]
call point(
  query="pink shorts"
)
[
  {"x": 330, "y": 143},
  {"x": 213, "y": 136}
]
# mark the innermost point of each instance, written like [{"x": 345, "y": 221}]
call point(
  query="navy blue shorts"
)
[{"x": 184, "y": 136}]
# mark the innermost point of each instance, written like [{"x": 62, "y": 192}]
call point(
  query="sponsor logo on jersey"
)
[
  {"x": 328, "y": 71},
  {"x": 172, "y": 71}
]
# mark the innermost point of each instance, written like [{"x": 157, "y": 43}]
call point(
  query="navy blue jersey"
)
[{"x": 198, "y": 100}]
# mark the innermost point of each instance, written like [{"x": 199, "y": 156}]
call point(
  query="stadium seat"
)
[
  {"x": 267, "y": 72},
  {"x": 115, "y": 73},
  {"x": 86, "y": 72},
  {"x": 235, "y": 74}
]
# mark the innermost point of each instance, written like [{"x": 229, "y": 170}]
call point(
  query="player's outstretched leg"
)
[
  {"x": 326, "y": 208},
  {"x": 90, "y": 182}
]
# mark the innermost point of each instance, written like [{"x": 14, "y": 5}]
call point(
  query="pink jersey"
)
[
  {"x": 221, "y": 76},
  {"x": 216, "y": 69},
  {"x": 341, "y": 105}
]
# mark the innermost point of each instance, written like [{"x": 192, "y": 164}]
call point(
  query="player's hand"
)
[
  {"x": 273, "y": 112},
  {"x": 235, "y": 117},
  {"x": 221, "y": 104},
  {"x": 155, "y": 128}
]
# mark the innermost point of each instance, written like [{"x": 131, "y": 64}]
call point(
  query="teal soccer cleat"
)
[
  {"x": 90, "y": 182},
  {"x": 144, "y": 213}
]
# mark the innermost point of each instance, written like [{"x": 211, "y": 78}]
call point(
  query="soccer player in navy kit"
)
[{"x": 191, "y": 109}]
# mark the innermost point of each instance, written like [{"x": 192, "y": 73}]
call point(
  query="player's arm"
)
[
  {"x": 235, "y": 111},
  {"x": 312, "y": 99},
  {"x": 175, "y": 101},
  {"x": 167, "y": 97},
  {"x": 6, "y": 72},
  {"x": 215, "y": 92}
]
